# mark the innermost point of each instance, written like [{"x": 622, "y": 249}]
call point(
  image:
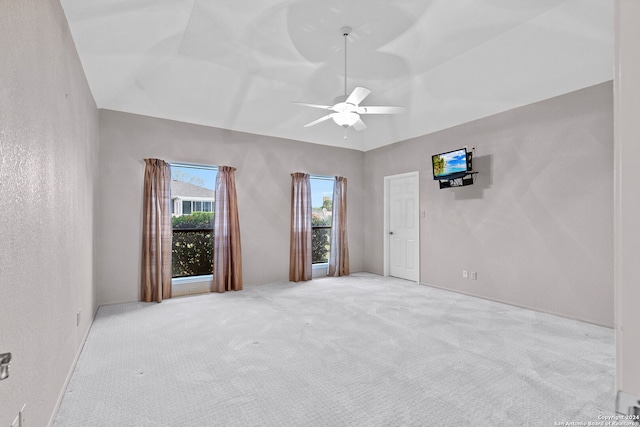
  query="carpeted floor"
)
[{"x": 363, "y": 350}]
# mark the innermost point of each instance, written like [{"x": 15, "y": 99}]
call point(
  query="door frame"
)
[{"x": 387, "y": 257}]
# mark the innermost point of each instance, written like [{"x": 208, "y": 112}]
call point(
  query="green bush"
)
[
  {"x": 192, "y": 251},
  {"x": 195, "y": 220}
]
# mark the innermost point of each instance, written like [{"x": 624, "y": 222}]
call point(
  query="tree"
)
[
  {"x": 438, "y": 165},
  {"x": 317, "y": 219},
  {"x": 181, "y": 175}
]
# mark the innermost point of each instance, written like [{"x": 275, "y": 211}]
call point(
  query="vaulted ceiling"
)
[{"x": 240, "y": 64}]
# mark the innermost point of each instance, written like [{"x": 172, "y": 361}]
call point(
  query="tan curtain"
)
[
  {"x": 156, "y": 232},
  {"x": 227, "y": 255},
  {"x": 339, "y": 253},
  {"x": 300, "y": 243}
]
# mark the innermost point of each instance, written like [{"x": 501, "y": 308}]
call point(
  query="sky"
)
[
  {"x": 319, "y": 189},
  {"x": 208, "y": 176},
  {"x": 455, "y": 161}
]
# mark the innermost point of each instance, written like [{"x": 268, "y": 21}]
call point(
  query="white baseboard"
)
[
  {"x": 71, "y": 369},
  {"x": 526, "y": 307}
]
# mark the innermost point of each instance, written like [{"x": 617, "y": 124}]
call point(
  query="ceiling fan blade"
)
[
  {"x": 358, "y": 95},
  {"x": 359, "y": 125},
  {"x": 320, "y": 120},
  {"x": 324, "y": 107},
  {"x": 380, "y": 110}
]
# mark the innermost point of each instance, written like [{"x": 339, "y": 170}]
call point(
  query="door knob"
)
[{"x": 391, "y": 232}]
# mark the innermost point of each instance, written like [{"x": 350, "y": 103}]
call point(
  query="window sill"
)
[
  {"x": 190, "y": 279},
  {"x": 319, "y": 270},
  {"x": 191, "y": 285}
]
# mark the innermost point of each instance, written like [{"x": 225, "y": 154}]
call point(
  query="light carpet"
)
[{"x": 362, "y": 350}]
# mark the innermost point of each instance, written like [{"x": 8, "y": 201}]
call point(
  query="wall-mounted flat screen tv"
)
[{"x": 449, "y": 163}]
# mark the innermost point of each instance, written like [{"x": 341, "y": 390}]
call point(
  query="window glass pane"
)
[
  {"x": 320, "y": 245},
  {"x": 186, "y": 207},
  {"x": 192, "y": 248},
  {"x": 321, "y": 212},
  {"x": 192, "y": 253},
  {"x": 321, "y": 201}
]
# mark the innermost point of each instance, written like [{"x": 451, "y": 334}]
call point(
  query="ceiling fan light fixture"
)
[{"x": 345, "y": 118}]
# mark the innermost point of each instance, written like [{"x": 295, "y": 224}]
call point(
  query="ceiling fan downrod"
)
[{"x": 345, "y": 33}]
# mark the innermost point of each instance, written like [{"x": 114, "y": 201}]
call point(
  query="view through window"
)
[
  {"x": 192, "y": 203},
  {"x": 321, "y": 211}
]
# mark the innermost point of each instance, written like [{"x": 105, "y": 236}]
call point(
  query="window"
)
[
  {"x": 193, "y": 197},
  {"x": 321, "y": 211},
  {"x": 186, "y": 207},
  {"x": 191, "y": 206}
]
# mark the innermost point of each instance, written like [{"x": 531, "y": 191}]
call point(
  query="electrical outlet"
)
[
  {"x": 23, "y": 416},
  {"x": 465, "y": 274},
  {"x": 474, "y": 275},
  {"x": 193, "y": 289}
]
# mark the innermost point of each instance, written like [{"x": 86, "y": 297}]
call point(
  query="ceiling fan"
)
[{"x": 347, "y": 109}]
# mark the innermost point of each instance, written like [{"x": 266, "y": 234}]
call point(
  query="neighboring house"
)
[{"x": 187, "y": 198}]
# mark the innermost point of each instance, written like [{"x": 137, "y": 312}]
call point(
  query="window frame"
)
[
  {"x": 321, "y": 265},
  {"x": 191, "y": 280}
]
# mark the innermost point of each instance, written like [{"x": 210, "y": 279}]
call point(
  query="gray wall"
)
[
  {"x": 48, "y": 165},
  {"x": 537, "y": 224},
  {"x": 263, "y": 182},
  {"x": 627, "y": 202}
]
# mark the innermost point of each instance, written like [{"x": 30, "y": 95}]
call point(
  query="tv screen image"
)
[{"x": 446, "y": 164}]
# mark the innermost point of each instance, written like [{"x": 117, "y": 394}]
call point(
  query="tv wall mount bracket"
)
[{"x": 466, "y": 178}]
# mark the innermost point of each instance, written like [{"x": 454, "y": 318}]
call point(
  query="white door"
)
[{"x": 403, "y": 226}]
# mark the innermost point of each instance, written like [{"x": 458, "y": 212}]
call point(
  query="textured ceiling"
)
[{"x": 239, "y": 64}]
